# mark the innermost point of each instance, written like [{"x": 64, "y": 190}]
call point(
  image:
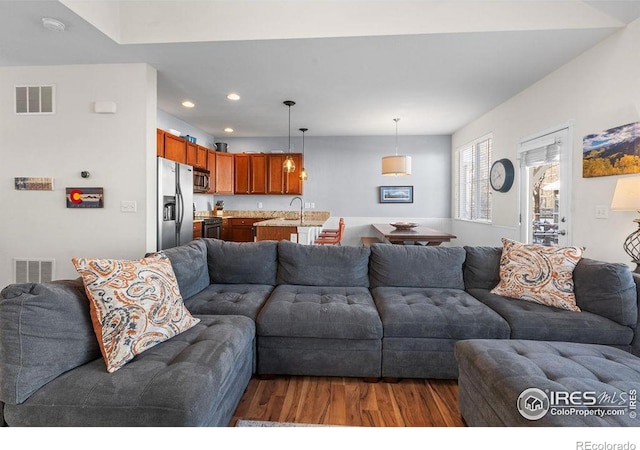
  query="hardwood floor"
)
[{"x": 351, "y": 402}]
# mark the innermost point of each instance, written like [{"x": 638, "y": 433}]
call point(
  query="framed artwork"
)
[
  {"x": 85, "y": 197},
  {"x": 612, "y": 152},
  {"x": 33, "y": 183},
  {"x": 396, "y": 194}
]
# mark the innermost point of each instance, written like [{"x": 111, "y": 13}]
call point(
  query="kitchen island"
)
[{"x": 303, "y": 232}]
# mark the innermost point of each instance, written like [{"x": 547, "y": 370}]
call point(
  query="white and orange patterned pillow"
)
[
  {"x": 538, "y": 274},
  {"x": 134, "y": 305}
]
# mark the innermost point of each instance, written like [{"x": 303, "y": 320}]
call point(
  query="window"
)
[{"x": 472, "y": 190}]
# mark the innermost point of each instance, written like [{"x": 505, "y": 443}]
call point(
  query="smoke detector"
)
[{"x": 53, "y": 24}]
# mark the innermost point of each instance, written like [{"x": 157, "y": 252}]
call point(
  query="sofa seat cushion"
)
[
  {"x": 320, "y": 312},
  {"x": 179, "y": 382},
  {"x": 530, "y": 320},
  {"x": 494, "y": 373},
  {"x": 230, "y": 299},
  {"x": 436, "y": 313}
]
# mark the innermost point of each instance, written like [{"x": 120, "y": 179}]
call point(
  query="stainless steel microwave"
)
[{"x": 201, "y": 180}]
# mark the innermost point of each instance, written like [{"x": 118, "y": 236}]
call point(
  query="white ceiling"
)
[{"x": 350, "y": 66}]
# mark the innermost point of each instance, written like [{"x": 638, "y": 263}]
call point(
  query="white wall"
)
[
  {"x": 117, "y": 149},
  {"x": 598, "y": 90}
]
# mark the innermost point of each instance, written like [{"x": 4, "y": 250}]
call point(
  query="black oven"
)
[{"x": 212, "y": 227}]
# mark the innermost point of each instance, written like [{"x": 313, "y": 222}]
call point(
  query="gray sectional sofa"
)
[{"x": 283, "y": 308}]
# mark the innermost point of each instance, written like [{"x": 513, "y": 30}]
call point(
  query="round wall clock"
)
[{"x": 501, "y": 175}]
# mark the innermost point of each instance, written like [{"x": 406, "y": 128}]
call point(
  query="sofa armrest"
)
[{"x": 635, "y": 344}]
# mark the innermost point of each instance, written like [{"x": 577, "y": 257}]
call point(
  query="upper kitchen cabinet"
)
[
  {"x": 250, "y": 173},
  {"x": 223, "y": 173},
  {"x": 175, "y": 148},
  {"x": 196, "y": 155},
  {"x": 280, "y": 182},
  {"x": 160, "y": 142}
]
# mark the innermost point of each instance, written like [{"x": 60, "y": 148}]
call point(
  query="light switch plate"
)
[
  {"x": 128, "y": 206},
  {"x": 602, "y": 212}
]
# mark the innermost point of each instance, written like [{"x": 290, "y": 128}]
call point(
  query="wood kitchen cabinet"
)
[
  {"x": 275, "y": 233},
  {"x": 175, "y": 148},
  {"x": 241, "y": 229},
  {"x": 196, "y": 155},
  {"x": 211, "y": 167},
  {"x": 224, "y": 173},
  {"x": 279, "y": 182},
  {"x": 250, "y": 173},
  {"x": 197, "y": 229},
  {"x": 160, "y": 142}
]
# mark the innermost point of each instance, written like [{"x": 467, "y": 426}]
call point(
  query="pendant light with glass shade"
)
[
  {"x": 303, "y": 173},
  {"x": 289, "y": 165},
  {"x": 396, "y": 165}
]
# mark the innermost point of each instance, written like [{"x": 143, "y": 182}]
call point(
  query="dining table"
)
[{"x": 419, "y": 234}]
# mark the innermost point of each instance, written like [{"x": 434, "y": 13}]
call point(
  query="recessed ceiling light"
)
[
  {"x": 233, "y": 96},
  {"x": 53, "y": 24},
  {"x": 228, "y": 130},
  {"x": 188, "y": 104}
]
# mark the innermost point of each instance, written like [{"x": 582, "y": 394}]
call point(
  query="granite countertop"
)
[
  {"x": 310, "y": 216},
  {"x": 280, "y": 222}
]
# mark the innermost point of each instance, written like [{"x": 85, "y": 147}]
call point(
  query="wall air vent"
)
[
  {"x": 33, "y": 270},
  {"x": 35, "y": 100}
]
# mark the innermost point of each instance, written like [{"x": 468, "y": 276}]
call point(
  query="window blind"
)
[
  {"x": 540, "y": 156},
  {"x": 473, "y": 195}
]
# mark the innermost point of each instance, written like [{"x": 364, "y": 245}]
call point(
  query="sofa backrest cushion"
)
[
  {"x": 45, "y": 330},
  {"x": 189, "y": 263},
  {"x": 242, "y": 262},
  {"x": 416, "y": 266},
  {"x": 482, "y": 267},
  {"x": 606, "y": 289},
  {"x": 323, "y": 265}
]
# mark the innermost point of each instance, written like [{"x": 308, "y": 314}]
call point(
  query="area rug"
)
[{"x": 266, "y": 423}]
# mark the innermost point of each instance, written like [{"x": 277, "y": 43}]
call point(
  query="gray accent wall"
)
[{"x": 344, "y": 175}]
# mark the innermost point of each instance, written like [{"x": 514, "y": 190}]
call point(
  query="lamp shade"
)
[
  {"x": 396, "y": 165},
  {"x": 626, "y": 197}
]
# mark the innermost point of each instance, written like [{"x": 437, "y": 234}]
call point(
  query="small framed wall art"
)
[
  {"x": 85, "y": 197},
  {"x": 33, "y": 183},
  {"x": 396, "y": 194}
]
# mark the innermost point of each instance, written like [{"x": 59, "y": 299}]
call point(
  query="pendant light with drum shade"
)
[
  {"x": 303, "y": 173},
  {"x": 396, "y": 165},
  {"x": 289, "y": 165}
]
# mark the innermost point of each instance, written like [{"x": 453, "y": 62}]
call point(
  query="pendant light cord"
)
[
  {"x": 289, "y": 129},
  {"x": 396, "y": 121}
]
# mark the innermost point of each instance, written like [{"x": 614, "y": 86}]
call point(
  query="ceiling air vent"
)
[
  {"x": 35, "y": 100},
  {"x": 33, "y": 270}
]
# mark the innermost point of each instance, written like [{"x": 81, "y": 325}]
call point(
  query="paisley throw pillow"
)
[
  {"x": 538, "y": 274},
  {"x": 134, "y": 305}
]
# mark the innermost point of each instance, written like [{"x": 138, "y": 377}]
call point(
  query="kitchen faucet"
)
[{"x": 301, "y": 206}]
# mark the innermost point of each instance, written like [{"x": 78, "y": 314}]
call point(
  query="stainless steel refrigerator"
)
[{"x": 175, "y": 203}]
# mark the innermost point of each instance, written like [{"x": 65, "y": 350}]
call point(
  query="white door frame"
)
[{"x": 564, "y": 132}]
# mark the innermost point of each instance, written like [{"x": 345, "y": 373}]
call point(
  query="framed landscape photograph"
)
[
  {"x": 612, "y": 152},
  {"x": 396, "y": 194}
]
